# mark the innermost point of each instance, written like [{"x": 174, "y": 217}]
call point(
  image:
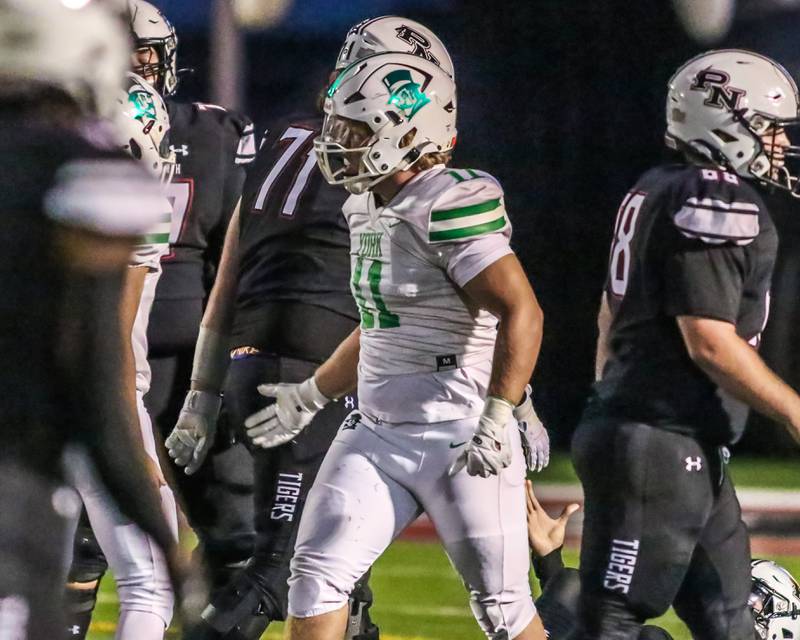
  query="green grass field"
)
[{"x": 417, "y": 597}]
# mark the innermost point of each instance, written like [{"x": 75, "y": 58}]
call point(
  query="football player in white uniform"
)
[
  {"x": 145, "y": 593},
  {"x": 450, "y": 332}
]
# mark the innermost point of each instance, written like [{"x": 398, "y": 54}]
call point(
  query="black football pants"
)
[
  {"x": 662, "y": 526},
  {"x": 283, "y": 475},
  {"x": 218, "y": 497}
]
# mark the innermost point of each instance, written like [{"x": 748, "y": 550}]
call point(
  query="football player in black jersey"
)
[
  {"x": 72, "y": 206},
  {"x": 279, "y": 308},
  {"x": 686, "y": 298},
  {"x": 212, "y": 146}
]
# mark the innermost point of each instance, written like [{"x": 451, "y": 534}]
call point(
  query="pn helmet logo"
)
[
  {"x": 405, "y": 94},
  {"x": 720, "y": 94},
  {"x": 144, "y": 108},
  {"x": 422, "y": 46}
]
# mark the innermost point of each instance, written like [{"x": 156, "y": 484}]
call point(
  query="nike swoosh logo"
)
[
  {"x": 394, "y": 224},
  {"x": 456, "y": 445}
]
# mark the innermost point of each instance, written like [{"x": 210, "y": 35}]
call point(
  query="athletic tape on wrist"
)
[{"x": 211, "y": 359}]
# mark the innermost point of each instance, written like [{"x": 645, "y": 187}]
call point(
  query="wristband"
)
[{"x": 211, "y": 359}]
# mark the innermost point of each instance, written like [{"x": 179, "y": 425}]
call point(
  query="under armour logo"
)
[
  {"x": 183, "y": 149},
  {"x": 349, "y": 402},
  {"x": 75, "y": 630},
  {"x": 694, "y": 464}
]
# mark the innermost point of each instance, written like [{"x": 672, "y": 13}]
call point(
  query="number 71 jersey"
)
[{"x": 409, "y": 262}]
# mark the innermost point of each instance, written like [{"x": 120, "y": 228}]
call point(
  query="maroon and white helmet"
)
[
  {"x": 393, "y": 34},
  {"x": 721, "y": 103}
]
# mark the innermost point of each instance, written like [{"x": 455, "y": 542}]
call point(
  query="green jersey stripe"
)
[
  {"x": 474, "y": 174},
  {"x": 156, "y": 238},
  {"x": 456, "y": 175},
  {"x": 460, "y": 212},
  {"x": 466, "y": 232}
]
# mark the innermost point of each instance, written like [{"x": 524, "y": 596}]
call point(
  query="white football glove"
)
[
  {"x": 195, "y": 431},
  {"x": 294, "y": 407},
  {"x": 489, "y": 451},
  {"x": 535, "y": 440}
]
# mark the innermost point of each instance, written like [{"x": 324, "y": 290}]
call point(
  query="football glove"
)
[
  {"x": 294, "y": 407},
  {"x": 489, "y": 451},
  {"x": 195, "y": 431},
  {"x": 535, "y": 440}
]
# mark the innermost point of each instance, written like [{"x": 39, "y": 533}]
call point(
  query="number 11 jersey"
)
[
  {"x": 688, "y": 241},
  {"x": 426, "y": 349}
]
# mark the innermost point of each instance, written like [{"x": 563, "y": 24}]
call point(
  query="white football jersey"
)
[
  {"x": 426, "y": 351},
  {"x": 153, "y": 245}
]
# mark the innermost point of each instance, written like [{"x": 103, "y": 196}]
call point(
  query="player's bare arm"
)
[
  {"x": 338, "y": 375},
  {"x": 603, "y": 326},
  {"x": 194, "y": 434},
  {"x": 738, "y": 369},
  {"x": 504, "y": 290}
]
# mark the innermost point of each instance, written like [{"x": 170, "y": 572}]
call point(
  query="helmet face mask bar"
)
[
  {"x": 775, "y": 164},
  {"x": 151, "y": 32},
  {"x": 383, "y": 113}
]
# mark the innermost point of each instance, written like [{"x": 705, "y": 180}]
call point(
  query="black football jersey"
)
[
  {"x": 693, "y": 241},
  {"x": 212, "y": 146},
  {"x": 294, "y": 243},
  {"x": 50, "y": 177}
]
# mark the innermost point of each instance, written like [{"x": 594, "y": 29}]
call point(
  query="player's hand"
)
[
  {"x": 195, "y": 431},
  {"x": 294, "y": 407},
  {"x": 535, "y": 440},
  {"x": 489, "y": 451},
  {"x": 546, "y": 534}
]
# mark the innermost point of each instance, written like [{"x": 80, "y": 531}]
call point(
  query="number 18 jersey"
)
[
  {"x": 688, "y": 241},
  {"x": 426, "y": 350}
]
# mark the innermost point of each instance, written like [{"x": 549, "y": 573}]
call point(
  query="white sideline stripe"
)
[{"x": 750, "y": 499}]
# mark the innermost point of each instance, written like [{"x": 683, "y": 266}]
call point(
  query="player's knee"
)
[
  {"x": 147, "y": 593},
  {"x": 81, "y": 597},
  {"x": 503, "y": 615},
  {"x": 313, "y": 592}
]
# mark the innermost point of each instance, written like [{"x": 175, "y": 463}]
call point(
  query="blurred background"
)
[{"x": 562, "y": 100}]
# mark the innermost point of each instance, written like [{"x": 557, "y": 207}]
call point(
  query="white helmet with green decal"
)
[
  {"x": 143, "y": 123},
  {"x": 382, "y": 114}
]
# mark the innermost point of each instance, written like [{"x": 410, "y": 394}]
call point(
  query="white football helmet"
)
[
  {"x": 76, "y": 46},
  {"x": 721, "y": 103},
  {"x": 150, "y": 28},
  {"x": 143, "y": 124},
  {"x": 774, "y": 601},
  {"x": 406, "y": 107},
  {"x": 393, "y": 34}
]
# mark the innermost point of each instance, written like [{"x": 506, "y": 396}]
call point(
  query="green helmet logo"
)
[
  {"x": 405, "y": 94},
  {"x": 143, "y": 107}
]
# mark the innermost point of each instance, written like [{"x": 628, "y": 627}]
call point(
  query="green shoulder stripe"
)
[
  {"x": 460, "y": 212},
  {"x": 466, "y": 232}
]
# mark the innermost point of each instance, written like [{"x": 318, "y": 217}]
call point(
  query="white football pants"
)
[
  {"x": 145, "y": 594},
  {"x": 375, "y": 480}
]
